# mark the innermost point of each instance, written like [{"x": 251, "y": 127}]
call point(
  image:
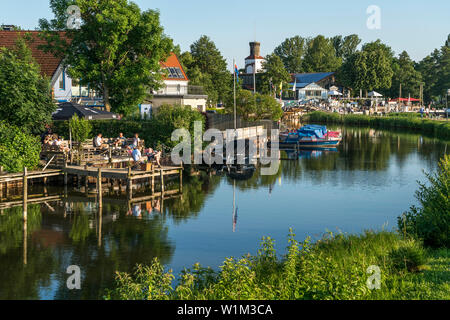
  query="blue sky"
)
[{"x": 415, "y": 26}]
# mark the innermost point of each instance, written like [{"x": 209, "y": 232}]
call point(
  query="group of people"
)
[
  {"x": 51, "y": 139},
  {"x": 133, "y": 149}
]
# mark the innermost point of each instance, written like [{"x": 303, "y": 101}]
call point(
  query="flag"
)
[
  {"x": 236, "y": 72},
  {"x": 281, "y": 90},
  {"x": 294, "y": 88}
]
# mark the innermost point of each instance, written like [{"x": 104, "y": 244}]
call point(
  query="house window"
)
[{"x": 62, "y": 81}]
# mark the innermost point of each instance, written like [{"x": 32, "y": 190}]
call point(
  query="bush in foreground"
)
[
  {"x": 431, "y": 221},
  {"x": 333, "y": 268}
]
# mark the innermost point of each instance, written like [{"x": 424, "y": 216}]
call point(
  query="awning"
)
[{"x": 67, "y": 110}]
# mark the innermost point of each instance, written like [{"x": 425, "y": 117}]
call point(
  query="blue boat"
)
[{"x": 311, "y": 136}]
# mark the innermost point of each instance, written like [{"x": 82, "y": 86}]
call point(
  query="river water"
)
[{"x": 365, "y": 184}]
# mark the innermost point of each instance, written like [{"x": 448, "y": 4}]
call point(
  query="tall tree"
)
[
  {"x": 274, "y": 73},
  {"x": 206, "y": 66},
  {"x": 368, "y": 69},
  {"x": 291, "y": 52},
  {"x": 25, "y": 96},
  {"x": 321, "y": 56},
  {"x": 117, "y": 51},
  {"x": 406, "y": 75},
  {"x": 346, "y": 46},
  {"x": 435, "y": 70}
]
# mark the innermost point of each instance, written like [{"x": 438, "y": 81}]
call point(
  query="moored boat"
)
[{"x": 311, "y": 136}]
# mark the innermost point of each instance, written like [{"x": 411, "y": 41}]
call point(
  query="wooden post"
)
[
  {"x": 162, "y": 181},
  {"x": 129, "y": 185},
  {"x": 99, "y": 188},
  {"x": 86, "y": 181},
  {"x": 181, "y": 180},
  {"x": 25, "y": 194},
  {"x": 153, "y": 182}
]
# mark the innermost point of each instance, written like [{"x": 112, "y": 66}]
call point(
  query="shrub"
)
[
  {"x": 81, "y": 129},
  {"x": 18, "y": 149},
  {"x": 431, "y": 221},
  {"x": 409, "y": 256}
]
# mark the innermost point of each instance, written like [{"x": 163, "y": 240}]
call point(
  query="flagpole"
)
[{"x": 234, "y": 92}]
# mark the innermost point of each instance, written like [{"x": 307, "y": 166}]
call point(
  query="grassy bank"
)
[
  {"x": 334, "y": 268},
  {"x": 433, "y": 128}
]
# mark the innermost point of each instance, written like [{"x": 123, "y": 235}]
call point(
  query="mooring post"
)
[
  {"x": 129, "y": 185},
  {"x": 99, "y": 188},
  {"x": 65, "y": 172},
  {"x": 181, "y": 180},
  {"x": 162, "y": 181},
  {"x": 25, "y": 193},
  {"x": 86, "y": 180}
]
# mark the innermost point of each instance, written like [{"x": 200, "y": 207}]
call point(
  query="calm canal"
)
[{"x": 365, "y": 184}]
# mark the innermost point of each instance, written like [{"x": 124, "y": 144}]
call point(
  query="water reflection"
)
[{"x": 369, "y": 170}]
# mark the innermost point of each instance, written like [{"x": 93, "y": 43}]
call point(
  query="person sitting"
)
[
  {"x": 98, "y": 142},
  {"x": 120, "y": 141},
  {"x": 136, "y": 141},
  {"x": 154, "y": 156},
  {"x": 137, "y": 156}
]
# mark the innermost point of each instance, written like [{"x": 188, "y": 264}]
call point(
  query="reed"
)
[{"x": 432, "y": 128}]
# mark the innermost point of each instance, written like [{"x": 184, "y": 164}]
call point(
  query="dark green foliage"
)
[
  {"x": 254, "y": 107},
  {"x": 18, "y": 149},
  {"x": 431, "y": 221},
  {"x": 410, "y": 256},
  {"x": 205, "y": 66},
  {"x": 25, "y": 96},
  {"x": 81, "y": 129}
]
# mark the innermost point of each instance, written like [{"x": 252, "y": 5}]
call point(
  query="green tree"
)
[
  {"x": 25, "y": 96},
  {"x": 321, "y": 56},
  {"x": 368, "y": 69},
  {"x": 80, "y": 128},
  {"x": 207, "y": 67},
  {"x": 245, "y": 104},
  {"x": 406, "y": 75},
  {"x": 274, "y": 74},
  {"x": 435, "y": 70},
  {"x": 117, "y": 51},
  {"x": 346, "y": 46},
  {"x": 291, "y": 52},
  {"x": 267, "y": 107}
]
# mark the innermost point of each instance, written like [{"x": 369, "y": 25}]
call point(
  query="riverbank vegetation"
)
[
  {"x": 336, "y": 267},
  {"x": 434, "y": 128},
  {"x": 156, "y": 132},
  {"x": 412, "y": 263}
]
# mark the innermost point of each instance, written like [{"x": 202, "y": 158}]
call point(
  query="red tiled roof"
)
[
  {"x": 173, "y": 62},
  {"x": 47, "y": 61}
]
